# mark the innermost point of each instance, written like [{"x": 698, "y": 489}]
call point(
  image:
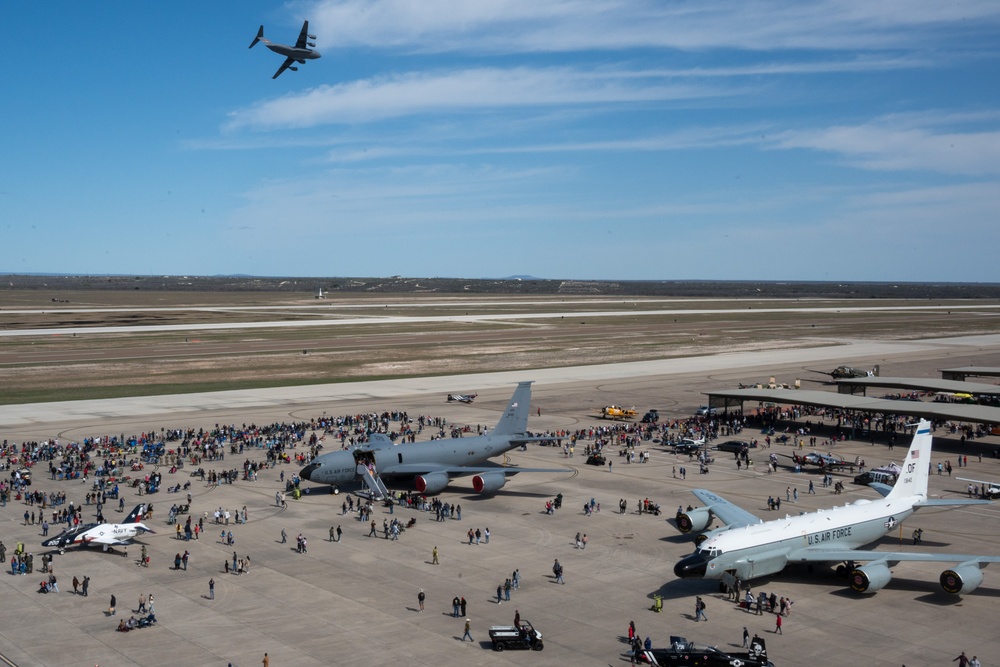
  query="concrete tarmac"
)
[{"x": 355, "y": 602}]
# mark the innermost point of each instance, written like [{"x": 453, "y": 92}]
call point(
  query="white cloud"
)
[
  {"x": 463, "y": 90},
  {"x": 508, "y": 26},
  {"x": 904, "y": 143}
]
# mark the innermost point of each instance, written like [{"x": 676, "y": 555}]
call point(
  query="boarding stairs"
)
[{"x": 376, "y": 489}]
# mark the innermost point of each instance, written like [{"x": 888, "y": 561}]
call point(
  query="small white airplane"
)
[
  {"x": 105, "y": 534},
  {"x": 748, "y": 547},
  {"x": 462, "y": 398}
]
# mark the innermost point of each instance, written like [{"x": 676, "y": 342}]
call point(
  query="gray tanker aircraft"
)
[
  {"x": 433, "y": 464},
  {"x": 747, "y": 547},
  {"x": 299, "y": 53}
]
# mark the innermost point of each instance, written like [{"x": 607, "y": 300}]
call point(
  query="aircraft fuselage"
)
[
  {"x": 301, "y": 55},
  {"x": 340, "y": 467},
  {"x": 766, "y": 548}
]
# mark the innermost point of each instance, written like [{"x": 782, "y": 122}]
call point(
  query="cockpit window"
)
[{"x": 710, "y": 552}]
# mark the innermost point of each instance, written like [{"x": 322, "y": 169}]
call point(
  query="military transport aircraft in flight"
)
[
  {"x": 462, "y": 398},
  {"x": 299, "y": 53},
  {"x": 747, "y": 547},
  {"x": 844, "y": 372},
  {"x": 105, "y": 534},
  {"x": 433, "y": 464}
]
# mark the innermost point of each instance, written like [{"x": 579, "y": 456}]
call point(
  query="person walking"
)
[
  {"x": 142, "y": 603},
  {"x": 76, "y": 586},
  {"x": 454, "y": 607},
  {"x": 746, "y": 637},
  {"x": 434, "y": 557},
  {"x": 468, "y": 628},
  {"x": 462, "y": 605},
  {"x": 420, "y": 599},
  {"x": 211, "y": 589},
  {"x": 557, "y": 569},
  {"x": 339, "y": 532},
  {"x": 500, "y": 594},
  {"x": 699, "y": 610},
  {"x": 777, "y": 625},
  {"x": 85, "y": 585},
  {"x": 111, "y": 607}
]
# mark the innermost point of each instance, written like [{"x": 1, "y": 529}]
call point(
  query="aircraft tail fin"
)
[
  {"x": 136, "y": 515},
  {"x": 515, "y": 418},
  {"x": 260, "y": 36},
  {"x": 916, "y": 466}
]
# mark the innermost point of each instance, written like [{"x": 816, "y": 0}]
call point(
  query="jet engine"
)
[
  {"x": 431, "y": 483},
  {"x": 962, "y": 579},
  {"x": 488, "y": 482},
  {"x": 696, "y": 520},
  {"x": 871, "y": 577},
  {"x": 311, "y": 36}
]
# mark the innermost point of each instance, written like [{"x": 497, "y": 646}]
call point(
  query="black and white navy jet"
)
[
  {"x": 105, "y": 534},
  {"x": 300, "y": 53},
  {"x": 747, "y": 547}
]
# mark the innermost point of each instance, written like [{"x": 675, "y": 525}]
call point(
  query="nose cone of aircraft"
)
[
  {"x": 306, "y": 473},
  {"x": 693, "y": 566}
]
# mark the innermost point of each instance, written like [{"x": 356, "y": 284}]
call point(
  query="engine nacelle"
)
[
  {"x": 311, "y": 36},
  {"x": 431, "y": 483},
  {"x": 488, "y": 482},
  {"x": 962, "y": 579},
  {"x": 871, "y": 577},
  {"x": 695, "y": 520}
]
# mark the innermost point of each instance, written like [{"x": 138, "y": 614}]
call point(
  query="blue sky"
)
[{"x": 583, "y": 139}]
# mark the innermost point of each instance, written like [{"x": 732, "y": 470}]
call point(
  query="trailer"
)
[{"x": 523, "y": 636}]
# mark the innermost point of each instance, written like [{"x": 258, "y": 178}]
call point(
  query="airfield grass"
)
[{"x": 31, "y": 369}]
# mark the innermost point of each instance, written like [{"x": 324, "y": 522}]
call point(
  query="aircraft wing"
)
[
  {"x": 821, "y": 555},
  {"x": 284, "y": 66},
  {"x": 427, "y": 468},
  {"x": 300, "y": 43},
  {"x": 950, "y": 502},
  {"x": 727, "y": 512},
  {"x": 106, "y": 540}
]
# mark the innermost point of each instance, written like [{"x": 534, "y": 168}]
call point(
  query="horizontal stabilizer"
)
[
  {"x": 260, "y": 36},
  {"x": 883, "y": 489}
]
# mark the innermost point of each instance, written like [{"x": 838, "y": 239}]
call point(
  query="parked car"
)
[
  {"x": 733, "y": 446},
  {"x": 875, "y": 476},
  {"x": 688, "y": 446},
  {"x": 651, "y": 417},
  {"x": 706, "y": 411}
]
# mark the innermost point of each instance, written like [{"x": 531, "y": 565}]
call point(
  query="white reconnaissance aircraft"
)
[{"x": 748, "y": 547}]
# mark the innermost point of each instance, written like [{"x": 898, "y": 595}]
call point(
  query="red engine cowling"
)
[
  {"x": 431, "y": 483},
  {"x": 488, "y": 482}
]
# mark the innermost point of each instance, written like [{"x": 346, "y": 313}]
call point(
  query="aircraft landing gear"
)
[{"x": 335, "y": 490}]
